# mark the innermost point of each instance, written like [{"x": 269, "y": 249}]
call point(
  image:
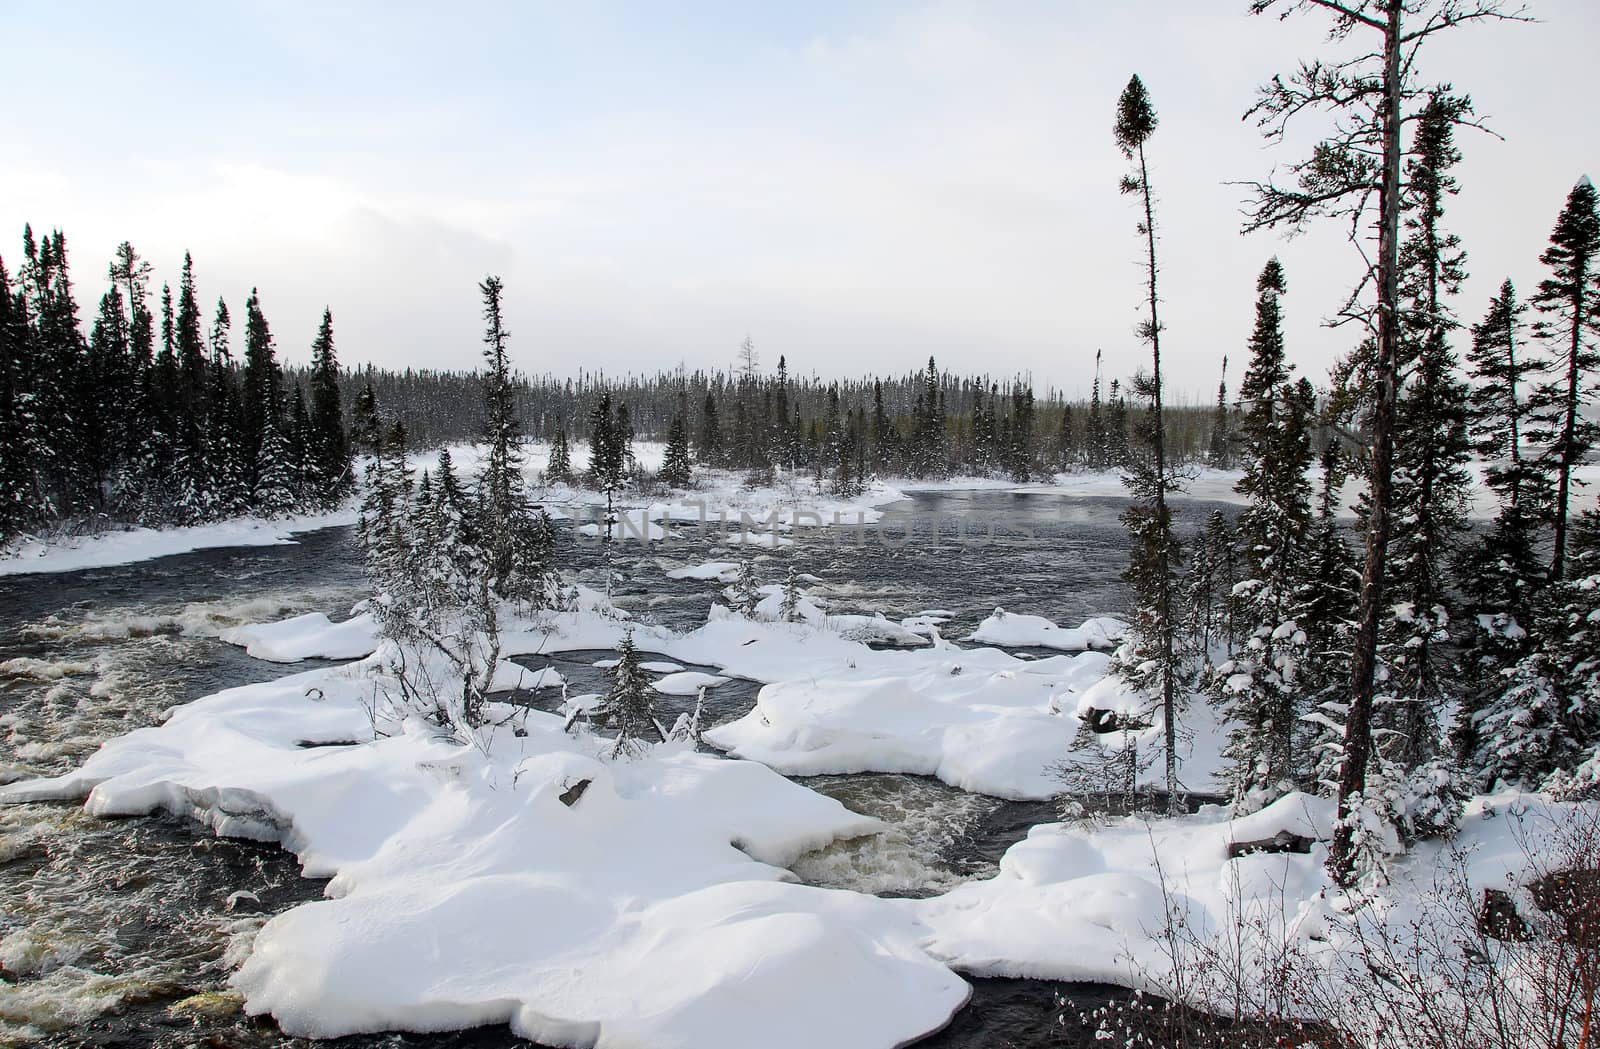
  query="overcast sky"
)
[{"x": 853, "y": 184}]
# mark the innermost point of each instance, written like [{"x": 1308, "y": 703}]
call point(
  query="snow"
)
[
  {"x": 660, "y": 666},
  {"x": 654, "y": 910},
  {"x": 687, "y": 683},
  {"x": 1088, "y": 904},
  {"x": 979, "y": 720},
  {"x": 721, "y": 571},
  {"x": 146, "y": 544},
  {"x": 1013, "y": 629},
  {"x": 306, "y": 637}
]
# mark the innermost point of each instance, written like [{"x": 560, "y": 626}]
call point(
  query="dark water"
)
[{"x": 120, "y": 932}]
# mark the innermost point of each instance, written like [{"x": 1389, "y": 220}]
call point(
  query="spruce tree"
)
[
  {"x": 746, "y": 588},
  {"x": 1261, "y": 689},
  {"x": 675, "y": 467},
  {"x": 224, "y": 436},
  {"x": 559, "y": 465},
  {"x": 328, "y": 446},
  {"x": 1569, "y": 300},
  {"x": 709, "y": 450},
  {"x": 516, "y": 538},
  {"x": 627, "y": 708},
  {"x": 1431, "y": 452},
  {"x": 261, "y": 398},
  {"x": 1150, "y": 661},
  {"x": 1097, "y": 444},
  {"x": 1219, "y": 450}
]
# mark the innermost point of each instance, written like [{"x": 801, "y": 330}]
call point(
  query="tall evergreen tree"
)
[
  {"x": 1262, "y": 688},
  {"x": 328, "y": 447},
  {"x": 675, "y": 467},
  {"x": 516, "y": 538},
  {"x": 1569, "y": 300},
  {"x": 261, "y": 398},
  {"x": 1150, "y": 661},
  {"x": 1431, "y": 452}
]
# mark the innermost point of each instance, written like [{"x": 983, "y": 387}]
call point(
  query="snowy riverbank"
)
[{"x": 532, "y": 880}]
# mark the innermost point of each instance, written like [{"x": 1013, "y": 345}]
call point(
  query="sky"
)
[{"x": 855, "y": 185}]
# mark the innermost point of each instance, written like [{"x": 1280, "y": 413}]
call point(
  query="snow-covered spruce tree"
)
[
  {"x": 607, "y": 458},
  {"x": 225, "y": 439},
  {"x": 1431, "y": 453},
  {"x": 1208, "y": 588},
  {"x": 328, "y": 446},
  {"x": 675, "y": 467},
  {"x": 1327, "y": 615},
  {"x": 1545, "y": 722},
  {"x": 1150, "y": 661},
  {"x": 261, "y": 397},
  {"x": 517, "y": 538},
  {"x": 746, "y": 588},
  {"x": 1261, "y": 689},
  {"x": 384, "y": 527},
  {"x": 1355, "y": 175},
  {"x": 789, "y": 610},
  {"x": 559, "y": 465},
  {"x": 1569, "y": 300},
  {"x": 1500, "y": 573},
  {"x": 277, "y": 485},
  {"x": 627, "y": 708}
]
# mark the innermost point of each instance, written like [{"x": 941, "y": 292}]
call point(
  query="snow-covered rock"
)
[
  {"x": 311, "y": 636},
  {"x": 978, "y": 720},
  {"x": 686, "y": 683},
  {"x": 1017, "y": 630}
]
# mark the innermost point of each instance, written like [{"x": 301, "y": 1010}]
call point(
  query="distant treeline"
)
[{"x": 924, "y": 423}]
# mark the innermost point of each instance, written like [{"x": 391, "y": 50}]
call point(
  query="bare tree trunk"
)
[{"x": 1358, "y": 722}]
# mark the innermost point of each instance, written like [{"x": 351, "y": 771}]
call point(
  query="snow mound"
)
[
  {"x": 980, "y": 720},
  {"x": 1011, "y": 628},
  {"x": 687, "y": 683},
  {"x": 720, "y": 571},
  {"x": 306, "y": 637},
  {"x": 660, "y": 666},
  {"x": 1079, "y": 904}
]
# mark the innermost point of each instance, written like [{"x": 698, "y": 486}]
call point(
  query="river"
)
[{"x": 122, "y": 933}]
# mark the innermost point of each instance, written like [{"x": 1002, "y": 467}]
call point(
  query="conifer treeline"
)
[
  {"x": 930, "y": 422},
  {"x": 150, "y": 419}
]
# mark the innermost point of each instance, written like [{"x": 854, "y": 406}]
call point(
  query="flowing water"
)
[{"x": 123, "y": 932}]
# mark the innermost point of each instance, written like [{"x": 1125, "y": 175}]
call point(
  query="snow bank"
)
[
  {"x": 1024, "y": 631},
  {"x": 146, "y": 544},
  {"x": 1088, "y": 904},
  {"x": 305, "y": 637},
  {"x": 467, "y": 890},
  {"x": 979, "y": 720}
]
